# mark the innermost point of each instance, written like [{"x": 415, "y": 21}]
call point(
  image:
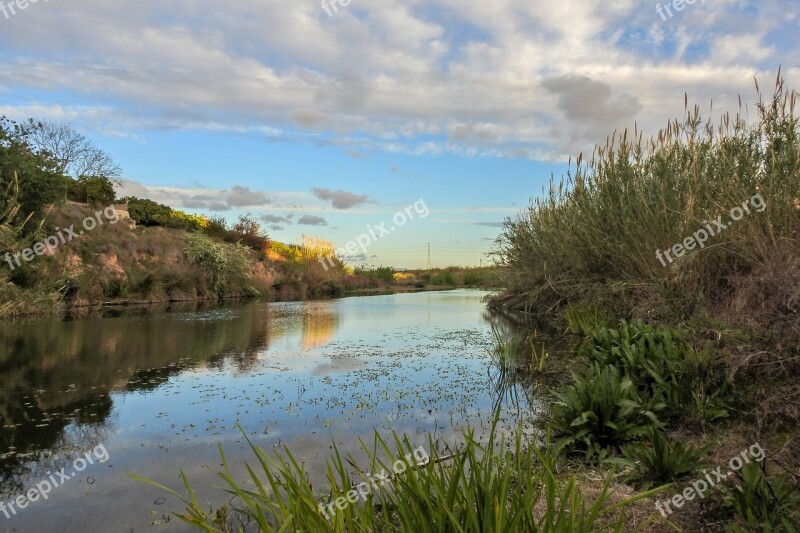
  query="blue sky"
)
[{"x": 324, "y": 125}]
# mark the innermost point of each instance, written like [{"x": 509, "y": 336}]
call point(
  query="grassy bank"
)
[{"x": 696, "y": 232}]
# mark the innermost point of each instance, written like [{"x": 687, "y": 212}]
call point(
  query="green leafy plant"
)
[
  {"x": 660, "y": 460},
  {"x": 761, "y": 502},
  {"x": 585, "y": 320},
  {"x": 662, "y": 366},
  {"x": 95, "y": 190},
  {"x": 226, "y": 265},
  {"x": 599, "y": 411}
]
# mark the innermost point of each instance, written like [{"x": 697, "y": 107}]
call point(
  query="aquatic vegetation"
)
[
  {"x": 477, "y": 488},
  {"x": 584, "y": 320},
  {"x": 592, "y": 238}
]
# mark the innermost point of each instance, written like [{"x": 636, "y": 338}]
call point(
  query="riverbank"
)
[
  {"x": 674, "y": 266},
  {"x": 125, "y": 263}
]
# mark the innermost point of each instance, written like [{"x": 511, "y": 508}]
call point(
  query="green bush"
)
[
  {"x": 147, "y": 212},
  {"x": 381, "y": 273},
  {"x": 443, "y": 278},
  {"x": 95, "y": 190},
  {"x": 225, "y": 264}
]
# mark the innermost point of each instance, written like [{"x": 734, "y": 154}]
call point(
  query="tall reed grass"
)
[{"x": 593, "y": 236}]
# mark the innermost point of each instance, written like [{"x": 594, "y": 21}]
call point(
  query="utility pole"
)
[{"x": 429, "y": 256}]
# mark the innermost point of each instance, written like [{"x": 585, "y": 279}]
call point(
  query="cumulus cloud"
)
[
  {"x": 591, "y": 107},
  {"x": 243, "y": 197},
  {"x": 310, "y": 220},
  {"x": 464, "y": 77},
  {"x": 340, "y": 199},
  {"x": 274, "y": 219}
]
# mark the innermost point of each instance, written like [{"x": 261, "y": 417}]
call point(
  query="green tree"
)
[
  {"x": 95, "y": 190},
  {"x": 147, "y": 212},
  {"x": 40, "y": 182}
]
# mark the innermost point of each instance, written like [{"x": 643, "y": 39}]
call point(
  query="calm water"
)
[{"x": 159, "y": 390}]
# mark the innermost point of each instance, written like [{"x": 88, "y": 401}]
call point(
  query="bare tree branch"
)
[{"x": 73, "y": 153}]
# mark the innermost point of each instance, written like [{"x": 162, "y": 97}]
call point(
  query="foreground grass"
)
[{"x": 480, "y": 488}]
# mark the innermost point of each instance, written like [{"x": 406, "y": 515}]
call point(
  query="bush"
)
[
  {"x": 147, "y": 212},
  {"x": 95, "y": 190},
  {"x": 443, "y": 278},
  {"x": 381, "y": 273},
  {"x": 248, "y": 231},
  {"x": 150, "y": 213},
  {"x": 226, "y": 265}
]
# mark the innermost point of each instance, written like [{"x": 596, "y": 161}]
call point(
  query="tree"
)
[
  {"x": 40, "y": 181},
  {"x": 71, "y": 152},
  {"x": 248, "y": 230},
  {"x": 95, "y": 190},
  {"x": 147, "y": 212}
]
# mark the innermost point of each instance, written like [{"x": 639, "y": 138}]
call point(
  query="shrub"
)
[
  {"x": 443, "y": 278},
  {"x": 473, "y": 278},
  {"x": 226, "y": 265},
  {"x": 248, "y": 231},
  {"x": 95, "y": 190},
  {"x": 150, "y": 213},
  {"x": 381, "y": 273},
  {"x": 147, "y": 212}
]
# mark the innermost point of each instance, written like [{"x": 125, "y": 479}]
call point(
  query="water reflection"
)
[{"x": 162, "y": 387}]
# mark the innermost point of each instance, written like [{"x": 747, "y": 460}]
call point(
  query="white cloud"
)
[{"x": 489, "y": 79}]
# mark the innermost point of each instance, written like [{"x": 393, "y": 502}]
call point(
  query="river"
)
[{"x": 153, "y": 390}]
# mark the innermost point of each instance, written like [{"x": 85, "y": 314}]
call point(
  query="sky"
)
[{"x": 333, "y": 118}]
